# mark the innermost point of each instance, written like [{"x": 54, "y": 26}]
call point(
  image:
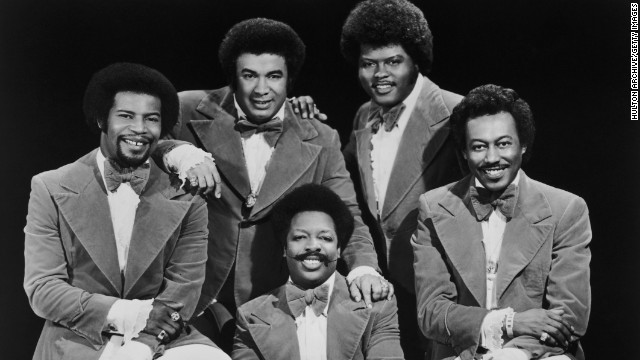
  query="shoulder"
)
[
  {"x": 53, "y": 178},
  {"x": 558, "y": 199},
  {"x": 192, "y": 98},
  {"x": 262, "y": 302},
  {"x": 451, "y": 99},
  {"x": 456, "y": 188}
]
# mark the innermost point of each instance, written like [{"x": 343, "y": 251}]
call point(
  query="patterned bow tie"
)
[
  {"x": 389, "y": 118},
  {"x": 483, "y": 203},
  {"x": 272, "y": 129},
  {"x": 298, "y": 299},
  {"x": 114, "y": 175}
]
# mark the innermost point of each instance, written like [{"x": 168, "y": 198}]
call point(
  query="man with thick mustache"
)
[
  {"x": 501, "y": 260},
  {"x": 314, "y": 307},
  {"x": 400, "y": 146},
  {"x": 263, "y": 150}
]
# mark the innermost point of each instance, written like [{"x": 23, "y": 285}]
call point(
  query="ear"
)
[
  {"x": 339, "y": 252},
  {"x": 464, "y": 154},
  {"x": 524, "y": 149}
]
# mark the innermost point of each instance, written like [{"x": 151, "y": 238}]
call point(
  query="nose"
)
[
  {"x": 492, "y": 155},
  {"x": 261, "y": 87},
  {"x": 138, "y": 125},
  {"x": 381, "y": 71},
  {"x": 312, "y": 244}
]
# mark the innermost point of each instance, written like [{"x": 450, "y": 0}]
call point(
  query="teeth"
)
[
  {"x": 492, "y": 171},
  {"x": 383, "y": 86},
  {"x": 136, "y": 143},
  {"x": 312, "y": 261}
]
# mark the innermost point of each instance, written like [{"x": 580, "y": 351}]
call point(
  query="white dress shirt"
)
[
  {"x": 385, "y": 146},
  {"x": 257, "y": 152},
  {"x": 312, "y": 329}
]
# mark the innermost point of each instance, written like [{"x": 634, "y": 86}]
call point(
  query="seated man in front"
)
[
  {"x": 314, "y": 306},
  {"x": 501, "y": 260}
]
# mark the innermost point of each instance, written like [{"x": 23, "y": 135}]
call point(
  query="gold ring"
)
[
  {"x": 163, "y": 334},
  {"x": 544, "y": 336},
  {"x": 175, "y": 316}
]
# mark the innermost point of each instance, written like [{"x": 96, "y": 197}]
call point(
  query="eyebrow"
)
[
  {"x": 385, "y": 59},
  {"x": 133, "y": 112}
]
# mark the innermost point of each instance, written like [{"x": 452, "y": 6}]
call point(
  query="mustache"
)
[{"x": 316, "y": 254}]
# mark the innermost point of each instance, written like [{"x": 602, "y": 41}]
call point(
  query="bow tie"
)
[
  {"x": 115, "y": 175},
  {"x": 483, "y": 203},
  {"x": 389, "y": 118},
  {"x": 298, "y": 299},
  {"x": 272, "y": 129}
]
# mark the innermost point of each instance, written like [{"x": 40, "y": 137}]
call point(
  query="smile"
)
[
  {"x": 133, "y": 143},
  {"x": 494, "y": 172},
  {"x": 383, "y": 88}
]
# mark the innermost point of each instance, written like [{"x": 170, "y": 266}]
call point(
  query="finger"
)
[
  {"x": 322, "y": 117},
  {"x": 202, "y": 183},
  {"x": 376, "y": 289},
  {"x": 366, "y": 292},
  {"x": 391, "y": 291},
  {"x": 211, "y": 184},
  {"x": 216, "y": 178},
  {"x": 555, "y": 330},
  {"x": 295, "y": 104},
  {"x": 561, "y": 324},
  {"x": 354, "y": 291}
]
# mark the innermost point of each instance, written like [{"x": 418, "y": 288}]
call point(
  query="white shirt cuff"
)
[
  {"x": 129, "y": 317},
  {"x": 508, "y": 354},
  {"x": 361, "y": 270},
  {"x": 184, "y": 157},
  {"x": 491, "y": 329}
]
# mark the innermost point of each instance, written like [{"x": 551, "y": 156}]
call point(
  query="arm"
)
[
  {"x": 46, "y": 280},
  {"x": 568, "y": 286},
  {"x": 440, "y": 317},
  {"x": 385, "y": 334},
  {"x": 244, "y": 348}
]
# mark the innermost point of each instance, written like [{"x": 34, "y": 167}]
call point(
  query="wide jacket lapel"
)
[
  {"x": 524, "y": 234},
  {"x": 218, "y": 136},
  {"x": 291, "y": 158},
  {"x": 425, "y": 133},
  {"x": 461, "y": 236},
  {"x": 346, "y": 322},
  {"x": 363, "y": 148},
  {"x": 157, "y": 217},
  {"x": 274, "y": 329},
  {"x": 85, "y": 207}
]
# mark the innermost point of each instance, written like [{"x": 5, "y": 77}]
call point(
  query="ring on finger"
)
[
  {"x": 175, "y": 316},
  {"x": 384, "y": 284},
  {"x": 163, "y": 334},
  {"x": 544, "y": 336}
]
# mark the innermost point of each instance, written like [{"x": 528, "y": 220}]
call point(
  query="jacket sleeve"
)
[
  {"x": 244, "y": 348},
  {"x": 359, "y": 250},
  {"x": 440, "y": 317},
  {"x": 385, "y": 333},
  {"x": 568, "y": 285},
  {"x": 46, "y": 280}
]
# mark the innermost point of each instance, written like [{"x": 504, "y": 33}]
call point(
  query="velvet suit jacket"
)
[
  {"x": 266, "y": 329},
  {"x": 426, "y": 159},
  {"x": 306, "y": 152},
  {"x": 72, "y": 275},
  {"x": 543, "y": 263}
]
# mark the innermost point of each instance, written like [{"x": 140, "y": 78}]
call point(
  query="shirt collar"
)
[
  {"x": 411, "y": 100},
  {"x": 279, "y": 114},
  {"x": 330, "y": 281}
]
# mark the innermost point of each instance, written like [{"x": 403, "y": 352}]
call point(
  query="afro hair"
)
[
  {"x": 128, "y": 77},
  {"x": 490, "y": 100},
  {"x": 261, "y": 36},
  {"x": 312, "y": 197},
  {"x": 380, "y": 23}
]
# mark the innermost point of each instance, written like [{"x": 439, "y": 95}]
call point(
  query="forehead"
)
[
  {"x": 262, "y": 63},
  {"x": 312, "y": 221},
  {"x": 126, "y": 100},
  {"x": 491, "y": 127},
  {"x": 382, "y": 52}
]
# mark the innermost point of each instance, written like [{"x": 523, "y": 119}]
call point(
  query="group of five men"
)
[{"x": 124, "y": 263}]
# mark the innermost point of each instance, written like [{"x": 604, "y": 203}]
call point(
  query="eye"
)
[
  {"x": 275, "y": 76},
  {"x": 248, "y": 76},
  {"x": 153, "y": 118},
  {"x": 367, "y": 64},
  {"x": 327, "y": 238},
  {"x": 478, "y": 147},
  {"x": 393, "y": 62},
  {"x": 298, "y": 237},
  {"x": 125, "y": 115},
  {"x": 504, "y": 144}
]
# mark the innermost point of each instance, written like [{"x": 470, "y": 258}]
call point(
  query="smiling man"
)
[
  {"x": 400, "y": 146},
  {"x": 501, "y": 260},
  {"x": 314, "y": 306},
  {"x": 114, "y": 253},
  {"x": 263, "y": 150}
]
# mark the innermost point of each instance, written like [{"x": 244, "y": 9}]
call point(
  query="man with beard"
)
[
  {"x": 262, "y": 150},
  {"x": 400, "y": 146},
  {"x": 312, "y": 316},
  {"x": 114, "y": 253},
  {"x": 501, "y": 260}
]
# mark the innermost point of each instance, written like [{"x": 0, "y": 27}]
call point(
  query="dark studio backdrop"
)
[{"x": 569, "y": 59}]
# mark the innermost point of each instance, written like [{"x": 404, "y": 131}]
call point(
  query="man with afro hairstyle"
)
[
  {"x": 115, "y": 253},
  {"x": 263, "y": 150},
  {"x": 400, "y": 146}
]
